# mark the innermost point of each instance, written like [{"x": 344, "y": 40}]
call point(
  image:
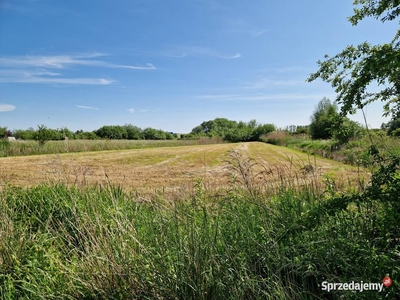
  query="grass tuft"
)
[{"x": 245, "y": 242}]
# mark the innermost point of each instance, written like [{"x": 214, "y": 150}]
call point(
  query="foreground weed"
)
[{"x": 82, "y": 242}]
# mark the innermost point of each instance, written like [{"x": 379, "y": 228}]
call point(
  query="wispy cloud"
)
[
  {"x": 290, "y": 69},
  {"x": 35, "y": 69},
  {"x": 253, "y": 33},
  {"x": 26, "y": 77},
  {"x": 259, "y": 97},
  {"x": 6, "y": 107},
  {"x": 87, "y": 107},
  {"x": 258, "y": 33},
  {"x": 195, "y": 51},
  {"x": 263, "y": 83},
  {"x": 131, "y": 110},
  {"x": 44, "y": 76},
  {"x": 237, "y": 55},
  {"x": 65, "y": 61},
  {"x": 144, "y": 110}
]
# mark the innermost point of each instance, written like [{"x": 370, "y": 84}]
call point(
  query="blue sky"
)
[{"x": 170, "y": 64}]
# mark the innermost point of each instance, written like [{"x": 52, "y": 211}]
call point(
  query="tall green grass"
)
[
  {"x": 354, "y": 152},
  {"x": 247, "y": 242},
  {"x": 22, "y": 148}
]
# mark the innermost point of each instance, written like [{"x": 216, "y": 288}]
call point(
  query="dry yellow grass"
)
[{"x": 164, "y": 169}]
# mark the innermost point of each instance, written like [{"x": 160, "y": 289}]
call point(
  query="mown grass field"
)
[
  {"x": 23, "y": 148},
  {"x": 226, "y": 221},
  {"x": 168, "y": 168}
]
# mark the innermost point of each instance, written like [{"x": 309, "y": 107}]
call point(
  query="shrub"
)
[
  {"x": 262, "y": 129},
  {"x": 323, "y": 120},
  {"x": 278, "y": 137},
  {"x": 347, "y": 130},
  {"x": 396, "y": 132},
  {"x": 42, "y": 135}
]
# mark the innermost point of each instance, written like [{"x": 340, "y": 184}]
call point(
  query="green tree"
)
[
  {"x": 65, "y": 132},
  {"x": 240, "y": 132},
  {"x": 85, "y": 135},
  {"x": 3, "y": 131},
  {"x": 391, "y": 126},
  {"x": 217, "y": 127},
  {"x": 42, "y": 135},
  {"x": 170, "y": 135},
  {"x": 28, "y": 134},
  {"x": 133, "y": 132},
  {"x": 262, "y": 129},
  {"x": 198, "y": 130},
  {"x": 353, "y": 70},
  {"x": 396, "y": 132},
  {"x": 112, "y": 132},
  {"x": 323, "y": 120},
  {"x": 232, "y": 131},
  {"x": 347, "y": 130},
  {"x": 154, "y": 134},
  {"x": 301, "y": 129}
]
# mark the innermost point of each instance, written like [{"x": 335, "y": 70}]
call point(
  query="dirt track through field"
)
[{"x": 168, "y": 168}]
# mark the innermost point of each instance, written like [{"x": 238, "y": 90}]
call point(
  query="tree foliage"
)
[
  {"x": 154, "y": 134},
  {"x": 232, "y": 131},
  {"x": 85, "y": 135},
  {"x": 3, "y": 132},
  {"x": 133, "y": 132},
  {"x": 42, "y": 135},
  {"x": 111, "y": 132},
  {"x": 217, "y": 127},
  {"x": 220, "y": 127},
  {"x": 347, "y": 130},
  {"x": 28, "y": 134},
  {"x": 64, "y": 132},
  {"x": 392, "y": 126},
  {"x": 326, "y": 123},
  {"x": 323, "y": 120},
  {"x": 353, "y": 70}
]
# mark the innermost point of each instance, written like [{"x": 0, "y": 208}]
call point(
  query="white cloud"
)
[
  {"x": 195, "y": 51},
  {"x": 148, "y": 66},
  {"x": 36, "y": 79},
  {"x": 290, "y": 69},
  {"x": 44, "y": 76},
  {"x": 258, "y": 33},
  {"x": 131, "y": 110},
  {"x": 237, "y": 55},
  {"x": 144, "y": 110},
  {"x": 87, "y": 107},
  {"x": 266, "y": 83},
  {"x": 64, "y": 61},
  {"x": 253, "y": 33},
  {"x": 260, "y": 97},
  {"x": 35, "y": 69},
  {"x": 6, "y": 107}
]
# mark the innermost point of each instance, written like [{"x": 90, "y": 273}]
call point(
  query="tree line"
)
[
  {"x": 228, "y": 130},
  {"x": 326, "y": 122},
  {"x": 231, "y": 131},
  {"x": 115, "y": 132}
]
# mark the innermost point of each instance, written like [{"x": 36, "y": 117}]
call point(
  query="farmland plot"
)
[{"x": 170, "y": 169}]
